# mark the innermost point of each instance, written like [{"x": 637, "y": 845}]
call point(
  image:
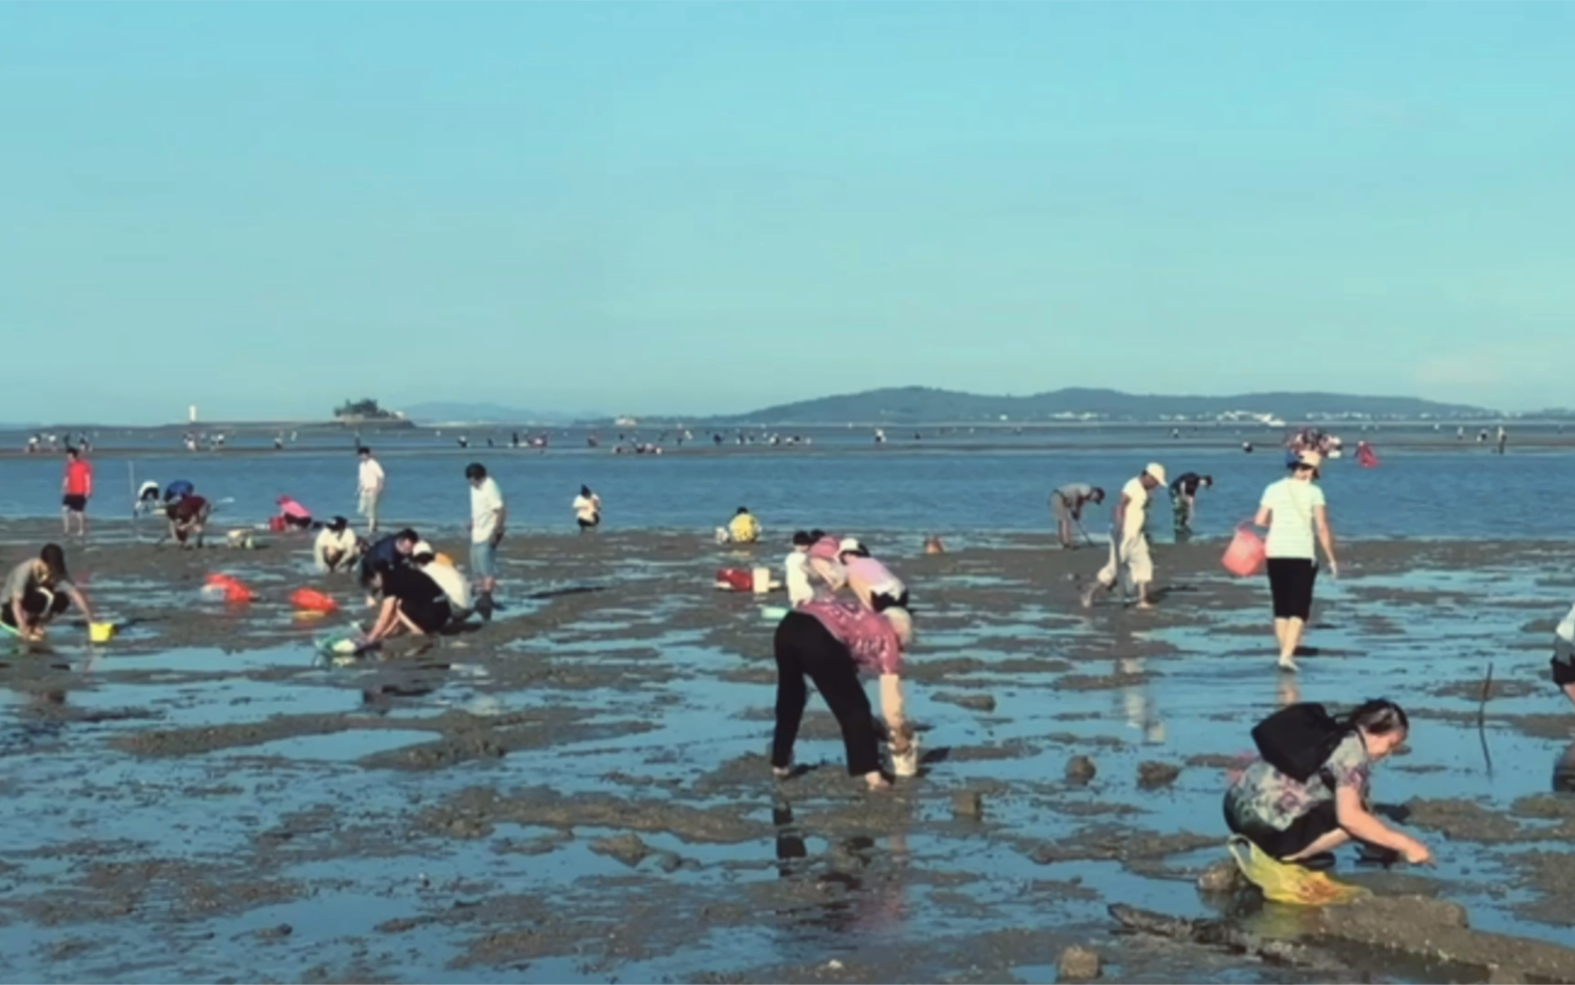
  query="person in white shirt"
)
[
  {"x": 487, "y": 517},
  {"x": 447, "y": 577},
  {"x": 796, "y": 567},
  {"x": 336, "y": 548},
  {"x": 1564, "y": 656},
  {"x": 588, "y": 509},
  {"x": 1128, "y": 544},
  {"x": 369, "y": 488},
  {"x": 1293, "y": 509}
]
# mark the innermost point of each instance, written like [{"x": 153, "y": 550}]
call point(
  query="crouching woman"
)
[{"x": 1295, "y": 821}]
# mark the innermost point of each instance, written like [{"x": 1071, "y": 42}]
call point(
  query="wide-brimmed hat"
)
[{"x": 1157, "y": 471}]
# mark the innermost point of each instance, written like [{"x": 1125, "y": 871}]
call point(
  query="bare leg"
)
[
  {"x": 1292, "y": 638},
  {"x": 65, "y": 521},
  {"x": 1569, "y": 692},
  {"x": 1327, "y": 843},
  {"x": 1142, "y": 595}
]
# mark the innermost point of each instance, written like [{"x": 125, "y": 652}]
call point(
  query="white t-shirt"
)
[
  {"x": 1137, "y": 508},
  {"x": 451, "y": 581},
  {"x": 371, "y": 475},
  {"x": 1291, "y": 503},
  {"x": 342, "y": 542},
  {"x": 586, "y": 508},
  {"x": 798, "y": 587},
  {"x": 486, "y": 500}
]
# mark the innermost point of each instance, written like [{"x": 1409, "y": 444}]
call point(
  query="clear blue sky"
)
[{"x": 264, "y": 208}]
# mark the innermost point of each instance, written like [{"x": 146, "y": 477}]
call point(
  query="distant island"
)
[
  {"x": 925, "y": 405},
  {"x": 364, "y": 410}
]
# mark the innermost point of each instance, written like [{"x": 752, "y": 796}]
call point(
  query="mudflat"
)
[{"x": 579, "y": 789}]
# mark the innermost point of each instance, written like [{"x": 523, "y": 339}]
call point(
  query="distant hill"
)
[
  {"x": 441, "y": 412},
  {"x": 910, "y": 405}
]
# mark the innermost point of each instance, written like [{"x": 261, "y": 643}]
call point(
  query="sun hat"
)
[{"x": 1157, "y": 471}]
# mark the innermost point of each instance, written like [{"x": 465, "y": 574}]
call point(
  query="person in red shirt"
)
[{"x": 77, "y": 489}]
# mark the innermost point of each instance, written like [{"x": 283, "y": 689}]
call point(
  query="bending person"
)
[
  {"x": 412, "y": 602},
  {"x": 38, "y": 590},
  {"x": 1067, "y": 503},
  {"x": 1293, "y": 821},
  {"x": 872, "y": 582},
  {"x": 830, "y": 641},
  {"x": 292, "y": 515},
  {"x": 188, "y": 516},
  {"x": 447, "y": 578}
]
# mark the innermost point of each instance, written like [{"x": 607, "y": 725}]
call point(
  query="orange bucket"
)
[{"x": 311, "y": 600}]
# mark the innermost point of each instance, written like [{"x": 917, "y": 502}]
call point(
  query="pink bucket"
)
[{"x": 1245, "y": 554}]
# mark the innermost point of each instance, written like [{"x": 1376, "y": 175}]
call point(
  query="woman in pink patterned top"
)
[{"x": 830, "y": 641}]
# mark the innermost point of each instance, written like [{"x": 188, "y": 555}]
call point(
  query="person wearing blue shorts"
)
[{"x": 487, "y": 518}]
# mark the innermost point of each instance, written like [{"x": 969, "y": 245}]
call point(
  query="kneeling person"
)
[
  {"x": 336, "y": 547},
  {"x": 447, "y": 577}
]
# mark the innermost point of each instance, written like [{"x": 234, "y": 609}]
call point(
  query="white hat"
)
[
  {"x": 1157, "y": 471},
  {"x": 422, "y": 547},
  {"x": 849, "y": 545}
]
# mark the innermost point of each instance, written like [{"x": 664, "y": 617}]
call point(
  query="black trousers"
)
[{"x": 805, "y": 648}]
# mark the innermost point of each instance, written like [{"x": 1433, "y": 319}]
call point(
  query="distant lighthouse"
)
[{"x": 193, "y": 413}]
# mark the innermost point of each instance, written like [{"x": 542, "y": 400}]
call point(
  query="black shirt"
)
[
  {"x": 1186, "y": 483},
  {"x": 411, "y": 586}
]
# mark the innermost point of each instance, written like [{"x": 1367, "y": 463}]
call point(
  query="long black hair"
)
[{"x": 1378, "y": 717}]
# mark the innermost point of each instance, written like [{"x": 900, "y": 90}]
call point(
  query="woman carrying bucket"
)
[{"x": 1293, "y": 509}]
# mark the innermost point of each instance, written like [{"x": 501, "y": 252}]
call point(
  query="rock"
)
[
  {"x": 274, "y": 933},
  {"x": 977, "y": 702},
  {"x": 670, "y": 861},
  {"x": 1080, "y": 770},
  {"x": 1078, "y": 964},
  {"x": 967, "y": 803},
  {"x": 628, "y": 849},
  {"x": 1221, "y": 877},
  {"x": 1152, "y": 775}
]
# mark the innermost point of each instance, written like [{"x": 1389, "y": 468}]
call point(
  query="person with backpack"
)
[
  {"x": 1293, "y": 509},
  {"x": 1308, "y": 794}
]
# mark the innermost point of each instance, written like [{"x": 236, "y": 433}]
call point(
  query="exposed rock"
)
[
  {"x": 1080, "y": 770},
  {"x": 1152, "y": 775},
  {"x": 1079, "y": 964},
  {"x": 1221, "y": 877},
  {"x": 967, "y": 803},
  {"x": 626, "y": 848}
]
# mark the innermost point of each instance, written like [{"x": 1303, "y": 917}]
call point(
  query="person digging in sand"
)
[
  {"x": 830, "y": 641},
  {"x": 1066, "y": 505},
  {"x": 1564, "y": 656},
  {"x": 1296, "y": 821},
  {"x": 1129, "y": 551},
  {"x": 38, "y": 590}
]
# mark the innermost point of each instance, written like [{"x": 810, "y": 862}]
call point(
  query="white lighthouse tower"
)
[{"x": 193, "y": 413}]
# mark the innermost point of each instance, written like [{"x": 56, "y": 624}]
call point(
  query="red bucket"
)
[{"x": 1244, "y": 557}]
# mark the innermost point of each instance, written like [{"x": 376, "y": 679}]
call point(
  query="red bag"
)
[
  {"x": 736, "y": 580},
  {"x": 1244, "y": 557}
]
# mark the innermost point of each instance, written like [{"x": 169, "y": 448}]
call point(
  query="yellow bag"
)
[{"x": 1284, "y": 882}]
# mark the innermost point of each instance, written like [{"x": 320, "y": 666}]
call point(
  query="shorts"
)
[
  {"x": 298, "y": 522},
  {"x": 1291, "y": 583},
  {"x": 883, "y": 601},
  {"x": 1563, "y": 672},
  {"x": 588, "y": 524},
  {"x": 484, "y": 559},
  {"x": 1060, "y": 508},
  {"x": 429, "y": 615},
  {"x": 1293, "y": 840},
  {"x": 74, "y": 502}
]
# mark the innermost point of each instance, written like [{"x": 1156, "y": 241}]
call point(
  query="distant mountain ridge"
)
[
  {"x": 453, "y": 412},
  {"x": 913, "y": 405}
]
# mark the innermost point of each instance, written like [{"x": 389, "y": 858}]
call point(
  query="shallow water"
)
[
  {"x": 299, "y": 816},
  {"x": 957, "y": 485}
]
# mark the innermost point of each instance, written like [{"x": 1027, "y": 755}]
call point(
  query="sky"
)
[{"x": 264, "y": 209}]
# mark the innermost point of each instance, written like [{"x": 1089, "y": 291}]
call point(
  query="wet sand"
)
[{"x": 579, "y": 790}]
